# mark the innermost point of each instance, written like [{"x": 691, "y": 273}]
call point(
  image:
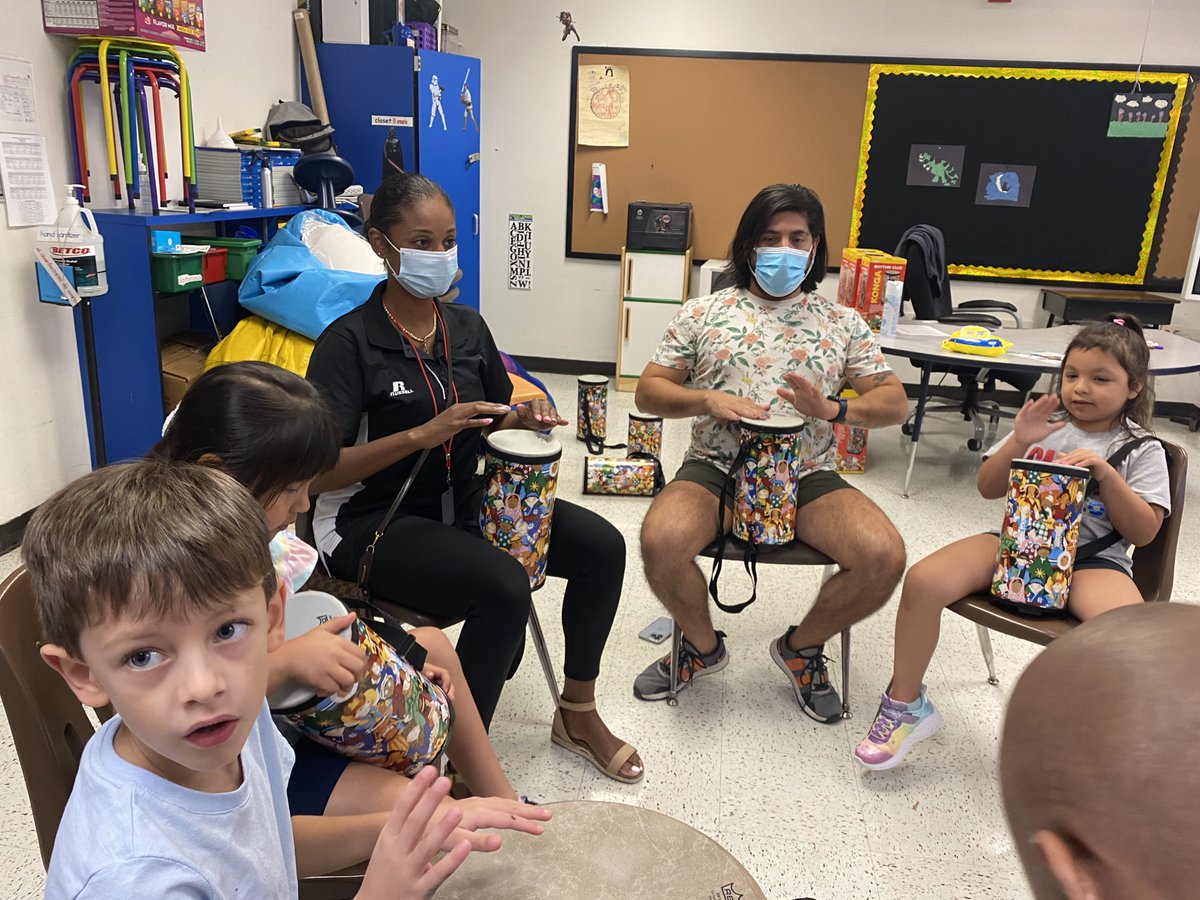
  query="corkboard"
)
[{"x": 714, "y": 128}]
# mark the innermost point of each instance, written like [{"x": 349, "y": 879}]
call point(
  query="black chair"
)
[
  {"x": 327, "y": 175},
  {"x": 929, "y": 293}
]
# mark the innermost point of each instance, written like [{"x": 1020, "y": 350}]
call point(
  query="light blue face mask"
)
[
  {"x": 424, "y": 273},
  {"x": 779, "y": 271}
]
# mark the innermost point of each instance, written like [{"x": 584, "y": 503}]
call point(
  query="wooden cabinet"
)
[{"x": 653, "y": 286}]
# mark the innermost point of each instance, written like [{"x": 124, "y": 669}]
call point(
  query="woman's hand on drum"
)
[
  {"x": 327, "y": 663},
  {"x": 440, "y": 677},
  {"x": 538, "y": 415},
  {"x": 730, "y": 407},
  {"x": 456, "y": 418},
  {"x": 805, "y": 398},
  {"x": 1032, "y": 422}
]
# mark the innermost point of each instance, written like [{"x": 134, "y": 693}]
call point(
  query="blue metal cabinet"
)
[{"x": 368, "y": 89}]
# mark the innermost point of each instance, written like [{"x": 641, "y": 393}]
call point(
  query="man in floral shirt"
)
[{"x": 770, "y": 346}]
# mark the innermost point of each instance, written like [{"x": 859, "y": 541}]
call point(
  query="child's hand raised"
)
[
  {"x": 325, "y": 662},
  {"x": 402, "y": 866},
  {"x": 1032, "y": 422}
]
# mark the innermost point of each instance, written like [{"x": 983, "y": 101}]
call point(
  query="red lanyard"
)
[{"x": 447, "y": 446}]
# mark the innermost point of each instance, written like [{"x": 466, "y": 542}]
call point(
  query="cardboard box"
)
[
  {"x": 851, "y": 445},
  {"x": 179, "y": 22},
  {"x": 183, "y": 357},
  {"x": 850, "y": 272},
  {"x": 872, "y": 277}
]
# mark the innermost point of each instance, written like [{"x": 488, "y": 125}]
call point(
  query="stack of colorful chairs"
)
[{"x": 132, "y": 74}]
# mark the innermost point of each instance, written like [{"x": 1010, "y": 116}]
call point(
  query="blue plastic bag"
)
[{"x": 288, "y": 285}]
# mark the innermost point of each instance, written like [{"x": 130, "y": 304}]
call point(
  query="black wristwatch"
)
[{"x": 843, "y": 404}]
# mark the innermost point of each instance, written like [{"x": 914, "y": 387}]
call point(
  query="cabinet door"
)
[
  {"x": 642, "y": 325},
  {"x": 655, "y": 276}
]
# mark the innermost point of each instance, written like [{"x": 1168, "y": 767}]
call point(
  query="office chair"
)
[
  {"x": 1153, "y": 573},
  {"x": 327, "y": 175},
  {"x": 50, "y": 729},
  {"x": 929, "y": 293},
  {"x": 797, "y": 553}
]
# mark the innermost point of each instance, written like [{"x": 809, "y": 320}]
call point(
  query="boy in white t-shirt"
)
[{"x": 156, "y": 593}]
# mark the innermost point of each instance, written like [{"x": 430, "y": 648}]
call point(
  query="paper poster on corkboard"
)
[{"x": 603, "y": 106}]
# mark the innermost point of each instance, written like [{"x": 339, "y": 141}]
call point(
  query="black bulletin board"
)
[{"x": 1094, "y": 200}]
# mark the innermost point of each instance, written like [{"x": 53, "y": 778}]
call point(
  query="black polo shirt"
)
[{"x": 369, "y": 375}]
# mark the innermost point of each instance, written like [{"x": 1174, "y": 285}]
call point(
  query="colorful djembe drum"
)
[
  {"x": 591, "y": 423},
  {"x": 641, "y": 477},
  {"x": 645, "y": 434},
  {"x": 394, "y": 717},
  {"x": 764, "y": 510},
  {"x": 521, "y": 471},
  {"x": 1039, "y": 536}
]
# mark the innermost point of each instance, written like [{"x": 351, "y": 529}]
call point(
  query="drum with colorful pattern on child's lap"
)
[
  {"x": 764, "y": 511},
  {"x": 591, "y": 421},
  {"x": 521, "y": 474},
  {"x": 394, "y": 717},
  {"x": 1039, "y": 536}
]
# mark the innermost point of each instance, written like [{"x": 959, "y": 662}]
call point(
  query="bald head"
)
[{"x": 1100, "y": 759}]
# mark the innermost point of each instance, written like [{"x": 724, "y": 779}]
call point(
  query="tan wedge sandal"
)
[{"x": 558, "y": 735}]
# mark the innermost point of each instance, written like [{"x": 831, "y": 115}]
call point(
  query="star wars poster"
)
[{"x": 602, "y": 106}]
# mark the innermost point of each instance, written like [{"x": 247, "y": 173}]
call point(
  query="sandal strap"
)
[
  {"x": 576, "y": 707},
  {"x": 619, "y": 759}
]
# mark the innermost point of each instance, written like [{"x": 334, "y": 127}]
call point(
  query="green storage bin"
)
[
  {"x": 241, "y": 252},
  {"x": 173, "y": 273}
]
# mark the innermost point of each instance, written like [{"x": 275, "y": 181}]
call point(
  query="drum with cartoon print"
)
[
  {"x": 645, "y": 434},
  {"x": 592, "y": 416},
  {"x": 764, "y": 509},
  {"x": 1039, "y": 536},
  {"x": 394, "y": 717},
  {"x": 639, "y": 476},
  {"x": 521, "y": 471}
]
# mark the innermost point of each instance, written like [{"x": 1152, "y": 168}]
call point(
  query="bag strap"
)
[
  {"x": 1091, "y": 548},
  {"x": 750, "y": 558},
  {"x": 367, "y": 560}
]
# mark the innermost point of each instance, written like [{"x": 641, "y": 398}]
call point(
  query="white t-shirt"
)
[
  {"x": 736, "y": 343},
  {"x": 1144, "y": 470},
  {"x": 127, "y": 832}
]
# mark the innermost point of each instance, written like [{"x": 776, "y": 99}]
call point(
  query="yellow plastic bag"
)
[
  {"x": 256, "y": 338},
  {"x": 977, "y": 340}
]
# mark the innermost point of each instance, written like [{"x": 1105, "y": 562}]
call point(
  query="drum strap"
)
[
  {"x": 750, "y": 558},
  {"x": 1091, "y": 548},
  {"x": 660, "y": 480},
  {"x": 596, "y": 445}
]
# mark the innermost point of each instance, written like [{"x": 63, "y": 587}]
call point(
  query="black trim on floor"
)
[
  {"x": 555, "y": 366},
  {"x": 12, "y": 531}
]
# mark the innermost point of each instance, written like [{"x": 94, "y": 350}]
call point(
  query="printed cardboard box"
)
[{"x": 851, "y": 444}]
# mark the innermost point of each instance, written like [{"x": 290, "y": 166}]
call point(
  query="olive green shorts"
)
[{"x": 818, "y": 484}]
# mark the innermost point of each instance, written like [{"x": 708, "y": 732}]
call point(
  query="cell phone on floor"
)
[{"x": 657, "y": 631}]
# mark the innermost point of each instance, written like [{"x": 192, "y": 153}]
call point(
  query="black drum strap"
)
[
  {"x": 596, "y": 445},
  {"x": 660, "y": 480},
  {"x": 1091, "y": 548},
  {"x": 750, "y": 559}
]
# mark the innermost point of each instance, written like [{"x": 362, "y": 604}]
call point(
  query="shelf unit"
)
[{"x": 654, "y": 285}]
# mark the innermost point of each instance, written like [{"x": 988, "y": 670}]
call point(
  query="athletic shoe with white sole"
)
[{"x": 898, "y": 726}]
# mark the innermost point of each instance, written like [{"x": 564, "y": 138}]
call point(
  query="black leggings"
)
[{"x": 447, "y": 570}]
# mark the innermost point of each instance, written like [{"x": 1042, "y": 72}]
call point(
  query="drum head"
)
[
  {"x": 776, "y": 424},
  {"x": 593, "y": 379},
  {"x": 645, "y": 417},
  {"x": 305, "y": 611},
  {"x": 518, "y": 443},
  {"x": 1036, "y": 465}
]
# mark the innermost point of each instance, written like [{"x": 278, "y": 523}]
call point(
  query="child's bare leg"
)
[
  {"x": 949, "y": 574},
  {"x": 365, "y": 788},
  {"x": 1094, "y": 591},
  {"x": 469, "y": 748}
]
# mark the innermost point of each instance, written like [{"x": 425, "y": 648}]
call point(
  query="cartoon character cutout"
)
[
  {"x": 464, "y": 96},
  {"x": 435, "y": 109}
]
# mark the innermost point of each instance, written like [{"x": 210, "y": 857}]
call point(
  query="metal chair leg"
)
[
  {"x": 676, "y": 646},
  {"x": 985, "y": 644},
  {"x": 846, "y": 674},
  {"x": 539, "y": 643}
]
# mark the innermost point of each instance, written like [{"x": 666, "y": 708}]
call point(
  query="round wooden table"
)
[{"x": 600, "y": 851}]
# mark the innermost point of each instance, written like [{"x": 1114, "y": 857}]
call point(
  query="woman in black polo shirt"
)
[{"x": 383, "y": 369}]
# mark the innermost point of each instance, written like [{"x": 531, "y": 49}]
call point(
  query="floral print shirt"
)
[{"x": 732, "y": 341}]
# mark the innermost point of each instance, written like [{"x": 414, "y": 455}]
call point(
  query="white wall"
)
[
  {"x": 250, "y": 63},
  {"x": 524, "y": 113}
]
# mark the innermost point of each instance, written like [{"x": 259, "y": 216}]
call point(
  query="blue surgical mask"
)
[
  {"x": 424, "y": 273},
  {"x": 780, "y": 270}
]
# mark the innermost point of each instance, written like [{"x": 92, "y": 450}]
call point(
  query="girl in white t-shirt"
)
[{"x": 1107, "y": 393}]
